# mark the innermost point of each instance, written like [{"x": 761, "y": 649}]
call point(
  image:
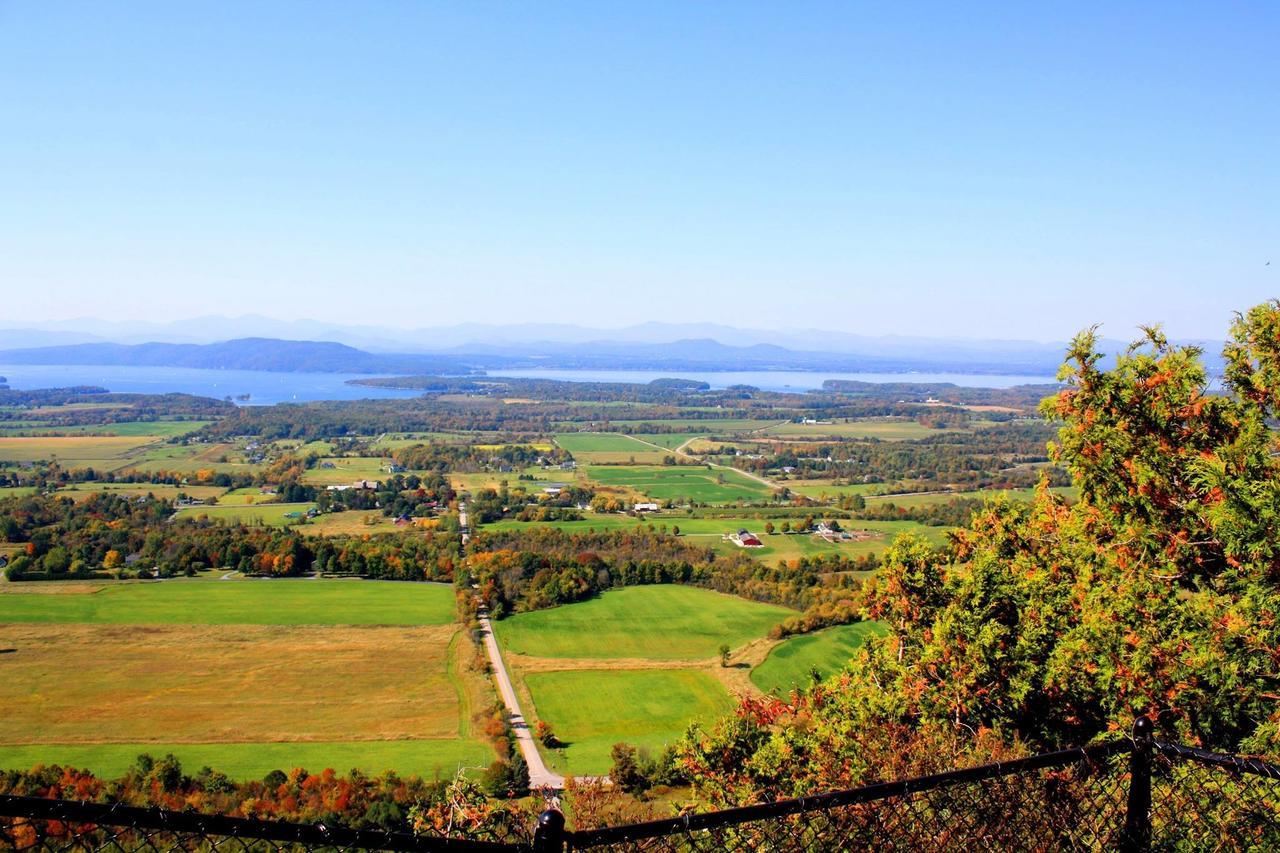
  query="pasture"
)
[
  {"x": 669, "y": 440},
  {"x": 790, "y": 663},
  {"x": 608, "y": 447},
  {"x": 777, "y": 548},
  {"x": 82, "y": 491},
  {"x": 261, "y": 515},
  {"x": 346, "y": 469},
  {"x": 246, "y": 497},
  {"x": 681, "y": 483},
  {"x": 701, "y": 426},
  {"x": 353, "y": 522},
  {"x": 885, "y": 429},
  {"x": 190, "y": 458},
  {"x": 591, "y": 710},
  {"x": 160, "y": 429},
  {"x": 253, "y": 760},
  {"x": 662, "y": 622},
  {"x": 228, "y": 679},
  {"x": 107, "y": 452},
  {"x": 239, "y": 602},
  {"x": 243, "y": 675},
  {"x": 474, "y": 481}
]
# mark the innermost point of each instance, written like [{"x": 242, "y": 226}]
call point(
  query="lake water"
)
[{"x": 266, "y": 388}]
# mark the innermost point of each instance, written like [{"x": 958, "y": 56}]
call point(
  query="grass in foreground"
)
[
  {"x": 591, "y": 710},
  {"x": 663, "y": 622},
  {"x": 789, "y": 665},
  {"x": 242, "y": 602},
  {"x": 425, "y": 758}
]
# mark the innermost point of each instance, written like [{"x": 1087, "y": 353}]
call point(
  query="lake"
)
[
  {"x": 263, "y": 387},
  {"x": 266, "y": 388}
]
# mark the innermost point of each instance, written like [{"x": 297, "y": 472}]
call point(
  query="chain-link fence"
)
[{"x": 1133, "y": 794}]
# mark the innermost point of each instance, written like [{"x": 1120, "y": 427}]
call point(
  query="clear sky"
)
[{"x": 1013, "y": 170}]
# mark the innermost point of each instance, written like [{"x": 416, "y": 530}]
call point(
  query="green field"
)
[
  {"x": 162, "y": 429},
  {"x": 82, "y": 491},
  {"x": 681, "y": 482},
  {"x": 347, "y": 469},
  {"x": 267, "y": 515},
  {"x": 16, "y": 491},
  {"x": 245, "y": 676},
  {"x": 254, "y": 760},
  {"x": 591, "y": 710},
  {"x": 788, "y": 666},
  {"x": 663, "y": 622},
  {"x": 702, "y": 426},
  {"x": 607, "y": 447},
  {"x": 246, "y": 497},
  {"x": 669, "y": 440},
  {"x": 885, "y": 429},
  {"x": 242, "y": 602},
  {"x": 709, "y": 531}
]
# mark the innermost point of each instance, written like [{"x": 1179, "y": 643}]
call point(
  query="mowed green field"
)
[
  {"x": 246, "y": 497},
  {"x": 591, "y": 710},
  {"x": 161, "y": 429},
  {"x": 234, "y": 602},
  {"x": 16, "y": 491},
  {"x": 607, "y": 447},
  {"x": 265, "y": 514},
  {"x": 885, "y": 429},
  {"x": 703, "y": 426},
  {"x": 669, "y": 440},
  {"x": 661, "y": 622},
  {"x": 347, "y": 469},
  {"x": 681, "y": 482},
  {"x": 789, "y": 664},
  {"x": 82, "y": 491},
  {"x": 254, "y": 760}
]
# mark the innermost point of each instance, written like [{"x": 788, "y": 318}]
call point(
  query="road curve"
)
[{"x": 539, "y": 775}]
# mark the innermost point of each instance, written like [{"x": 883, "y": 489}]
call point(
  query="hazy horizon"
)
[{"x": 935, "y": 171}]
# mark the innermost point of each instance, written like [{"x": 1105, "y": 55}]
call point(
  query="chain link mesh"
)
[
  {"x": 1199, "y": 801},
  {"x": 1078, "y": 807}
]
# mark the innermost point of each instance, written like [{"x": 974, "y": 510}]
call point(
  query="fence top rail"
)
[
  {"x": 1234, "y": 763},
  {"x": 162, "y": 820},
  {"x": 869, "y": 793}
]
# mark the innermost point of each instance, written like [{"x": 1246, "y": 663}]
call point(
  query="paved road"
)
[{"x": 539, "y": 775}]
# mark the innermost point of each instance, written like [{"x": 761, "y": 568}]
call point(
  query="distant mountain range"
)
[
  {"x": 260, "y": 343},
  {"x": 242, "y": 354}
]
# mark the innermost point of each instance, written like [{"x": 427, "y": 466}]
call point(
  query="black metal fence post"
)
[
  {"x": 548, "y": 836},
  {"x": 1137, "y": 819}
]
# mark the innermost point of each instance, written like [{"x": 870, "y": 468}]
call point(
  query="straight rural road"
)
[{"x": 539, "y": 775}]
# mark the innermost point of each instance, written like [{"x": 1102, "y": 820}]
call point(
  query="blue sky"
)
[{"x": 1015, "y": 170}]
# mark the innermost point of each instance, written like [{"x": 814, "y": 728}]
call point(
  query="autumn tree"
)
[{"x": 1052, "y": 623}]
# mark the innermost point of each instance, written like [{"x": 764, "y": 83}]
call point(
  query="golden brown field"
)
[{"x": 80, "y": 683}]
